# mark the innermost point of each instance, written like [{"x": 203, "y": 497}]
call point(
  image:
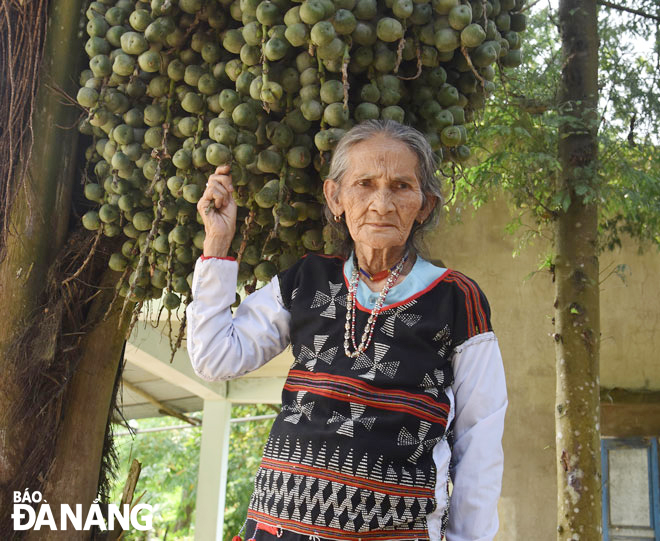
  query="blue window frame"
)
[{"x": 631, "y": 489}]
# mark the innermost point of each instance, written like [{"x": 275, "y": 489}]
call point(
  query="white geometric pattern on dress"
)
[
  {"x": 308, "y": 358},
  {"x": 347, "y": 423},
  {"x": 321, "y": 299},
  {"x": 432, "y": 382},
  {"x": 408, "y": 319},
  {"x": 363, "y": 361},
  {"x": 278, "y": 450},
  {"x": 294, "y": 293},
  {"x": 299, "y": 409},
  {"x": 444, "y": 337},
  {"x": 406, "y": 438},
  {"x": 294, "y": 494}
]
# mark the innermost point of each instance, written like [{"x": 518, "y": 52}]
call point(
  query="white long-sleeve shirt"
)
[{"x": 222, "y": 346}]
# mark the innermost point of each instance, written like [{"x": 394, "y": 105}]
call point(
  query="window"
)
[{"x": 631, "y": 489}]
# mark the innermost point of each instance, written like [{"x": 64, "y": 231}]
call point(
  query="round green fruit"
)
[
  {"x": 94, "y": 192},
  {"x": 100, "y": 65},
  {"x": 451, "y": 136},
  {"x": 298, "y": 157},
  {"x": 485, "y": 55},
  {"x": 117, "y": 262},
  {"x": 171, "y": 301},
  {"x": 326, "y": 140},
  {"x": 393, "y": 112},
  {"x": 332, "y": 91},
  {"x": 150, "y": 61},
  {"x": 218, "y": 154},
  {"x": 389, "y": 29},
  {"x": 366, "y": 111},
  {"x": 265, "y": 271},
  {"x": 460, "y": 16},
  {"x": 473, "y": 35},
  {"x": 140, "y": 19},
  {"x": 312, "y": 11},
  {"x": 344, "y": 22},
  {"x": 133, "y": 43},
  {"x": 447, "y": 40},
  {"x": 142, "y": 220},
  {"x": 108, "y": 213},
  {"x": 336, "y": 114},
  {"x": 269, "y": 161},
  {"x": 182, "y": 159},
  {"x": 91, "y": 220},
  {"x": 87, "y": 97},
  {"x": 322, "y": 33},
  {"x": 275, "y": 48},
  {"x": 312, "y": 239},
  {"x": 192, "y": 193},
  {"x": 297, "y": 34},
  {"x": 192, "y": 103},
  {"x": 443, "y": 7},
  {"x": 366, "y": 9},
  {"x": 267, "y": 13},
  {"x": 180, "y": 235}
]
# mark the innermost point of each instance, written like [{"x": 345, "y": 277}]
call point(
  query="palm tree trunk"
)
[{"x": 38, "y": 222}]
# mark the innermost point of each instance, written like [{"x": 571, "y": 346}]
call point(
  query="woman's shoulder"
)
[{"x": 470, "y": 307}]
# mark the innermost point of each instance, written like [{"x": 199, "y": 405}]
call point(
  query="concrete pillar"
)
[{"x": 212, "y": 479}]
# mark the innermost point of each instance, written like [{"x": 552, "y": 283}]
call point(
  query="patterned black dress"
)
[{"x": 350, "y": 455}]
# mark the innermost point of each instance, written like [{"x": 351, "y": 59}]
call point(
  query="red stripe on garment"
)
[
  {"x": 346, "y": 479},
  {"x": 468, "y": 304},
  {"x": 361, "y": 384},
  {"x": 402, "y": 408},
  {"x": 367, "y": 402},
  {"x": 476, "y": 299},
  {"x": 481, "y": 313},
  {"x": 372, "y": 391},
  {"x": 337, "y": 534},
  {"x": 205, "y": 257}
]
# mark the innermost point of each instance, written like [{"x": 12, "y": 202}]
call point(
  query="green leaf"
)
[{"x": 581, "y": 189}]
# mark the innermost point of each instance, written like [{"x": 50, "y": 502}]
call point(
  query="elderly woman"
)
[{"x": 397, "y": 384}]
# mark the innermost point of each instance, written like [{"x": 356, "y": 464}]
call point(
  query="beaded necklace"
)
[{"x": 349, "y": 332}]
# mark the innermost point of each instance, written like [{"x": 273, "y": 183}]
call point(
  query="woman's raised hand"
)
[{"x": 218, "y": 210}]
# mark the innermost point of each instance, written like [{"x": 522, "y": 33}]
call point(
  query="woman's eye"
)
[{"x": 403, "y": 185}]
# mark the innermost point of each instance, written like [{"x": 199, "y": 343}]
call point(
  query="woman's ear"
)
[
  {"x": 427, "y": 208},
  {"x": 331, "y": 193}
]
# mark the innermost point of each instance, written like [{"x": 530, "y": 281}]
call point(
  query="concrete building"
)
[{"x": 521, "y": 303}]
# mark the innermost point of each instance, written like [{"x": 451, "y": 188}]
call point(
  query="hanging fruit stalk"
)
[{"x": 176, "y": 88}]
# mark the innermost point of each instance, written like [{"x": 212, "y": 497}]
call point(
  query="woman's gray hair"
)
[{"x": 427, "y": 172}]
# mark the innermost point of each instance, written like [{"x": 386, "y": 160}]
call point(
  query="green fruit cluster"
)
[{"x": 176, "y": 87}]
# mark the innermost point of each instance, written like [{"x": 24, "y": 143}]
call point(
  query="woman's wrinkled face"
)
[{"x": 380, "y": 194}]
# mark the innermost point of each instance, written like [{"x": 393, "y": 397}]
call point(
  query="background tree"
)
[
  {"x": 585, "y": 169},
  {"x": 59, "y": 346},
  {"x": 169, "y": 471},
  {"x": 168, "y": 477}
]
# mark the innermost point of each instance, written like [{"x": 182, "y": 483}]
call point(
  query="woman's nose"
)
[{"x": 382, "y": 201}]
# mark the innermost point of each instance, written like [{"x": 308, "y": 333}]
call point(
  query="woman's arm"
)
[
  {"x": 221, "y": 347},
  {"x": 477, "y": 459}
]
